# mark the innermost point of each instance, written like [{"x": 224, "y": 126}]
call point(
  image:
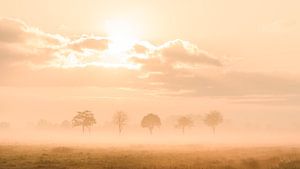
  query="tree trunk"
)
[
  {"x": 182, "y": 130},
  {"x": 120, "y": 129},
  {"x": 214, "y": 130},
  {"x": 82, "y": 128},
  {"x": 150, "y": 130}
]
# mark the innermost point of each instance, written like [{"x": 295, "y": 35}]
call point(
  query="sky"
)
[{"x": 165, "y": 57}]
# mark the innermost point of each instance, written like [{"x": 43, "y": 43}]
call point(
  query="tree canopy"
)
[
  {"x": 183, "y": 122},
  {"x": 150, "y": 121},
  {"x": 84, "y": 119},
  {"x": 213, "y": 119}
]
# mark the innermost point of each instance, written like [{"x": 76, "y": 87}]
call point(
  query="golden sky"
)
[{"x": 168, "y": 57}]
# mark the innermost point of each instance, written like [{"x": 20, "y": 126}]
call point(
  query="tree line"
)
[{"x": 86, "y": 120}]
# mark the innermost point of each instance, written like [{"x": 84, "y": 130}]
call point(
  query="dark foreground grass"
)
[{"x": 142, "y": 157}]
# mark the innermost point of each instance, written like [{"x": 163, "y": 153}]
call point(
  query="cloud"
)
[
  {"x": 140, "y": 49},
  {"x": 244, "y": 83},
  {"x": 274, "y": 100},
  {"x": 31, "y": 45},
  {"x": 31, "y": 57},
  {"x": 16, "y": 31},
  {"x": 280, "y": 26},
  {"x": 94, "y": 43},
  {"x": 174, "y": 54},
  {"x": 21, "y": 43},
  {"x": 12, "y": 30},
  {"x": 179, "y": 51}
]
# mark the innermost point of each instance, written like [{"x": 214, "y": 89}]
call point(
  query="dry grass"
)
[{"x": 142, "y": 157}]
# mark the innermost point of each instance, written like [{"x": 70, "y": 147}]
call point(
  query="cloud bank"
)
[{"x": 31, "y": 57}]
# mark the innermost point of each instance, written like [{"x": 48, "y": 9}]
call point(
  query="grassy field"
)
[{"x": 147, "y": 157}]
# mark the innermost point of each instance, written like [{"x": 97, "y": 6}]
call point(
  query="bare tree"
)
[
  {"x": 120, "y": 119},
  {"x": 183, "y": 122},
  {"x": 84, "y": 119},
  {"x": 213, "y": 119},
  {"x": 150, "y": 121}
]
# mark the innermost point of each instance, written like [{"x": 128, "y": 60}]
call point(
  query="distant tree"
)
[
  {"x": 65, "y": 124},
  {"x": 150, "y": 121},
  {"x": 44, "y": 124},
  {"x": 213, "y": 119},
  {"x": 183, "y": 122},
  {"x": 4, "y": 125},
  {"x": 84, "y": 119},
  {"x": 120, "y": 119}
]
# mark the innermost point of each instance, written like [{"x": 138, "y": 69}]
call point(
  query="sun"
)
[{"x": 123, "y": 35}]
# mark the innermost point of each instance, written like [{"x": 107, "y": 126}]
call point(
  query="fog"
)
[
  {"x": 213, "y": 56},
  {"x": 35, "y": 116},
  {"x": 106, "y": 134}
]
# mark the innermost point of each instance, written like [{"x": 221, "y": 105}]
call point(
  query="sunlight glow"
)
[{"x": 122, "y": 34}]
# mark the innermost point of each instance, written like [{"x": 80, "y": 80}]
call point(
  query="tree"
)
[
  {"x": 120, "y": 119},
  {"x": 183, "y": 122},
  {"x": 4, "y": 125},
  {"x": 66, "y": 124},
  {"x": 213, "y": 119},
  {"x": 84, "y": 119},
  {"x": 150, "y": 121},
  {"x": 44, "y": 124}
]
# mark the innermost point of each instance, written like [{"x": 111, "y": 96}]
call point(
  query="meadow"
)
[{"x": 147, "y": 157}]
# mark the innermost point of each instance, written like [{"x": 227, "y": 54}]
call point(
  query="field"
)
[{"x": 147, "y": 157}]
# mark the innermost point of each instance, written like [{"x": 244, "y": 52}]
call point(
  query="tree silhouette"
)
[
  {"x": 66, "y": 124},
  {"x": 183, "y": 122},
  {"x": 84, "y": 119},
  {"x": 150, "y": 121},
  {"x": 4, "y": 125},
  {"x": 213, "y": 119},
  {"x": 44, "y": 124},
  {"x": 120, "y": 119}
]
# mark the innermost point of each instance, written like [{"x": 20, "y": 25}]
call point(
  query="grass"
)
[{"x": 143, "y": 157}]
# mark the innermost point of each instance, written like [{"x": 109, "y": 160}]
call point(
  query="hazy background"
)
[{"x": 238, "y": 57}]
